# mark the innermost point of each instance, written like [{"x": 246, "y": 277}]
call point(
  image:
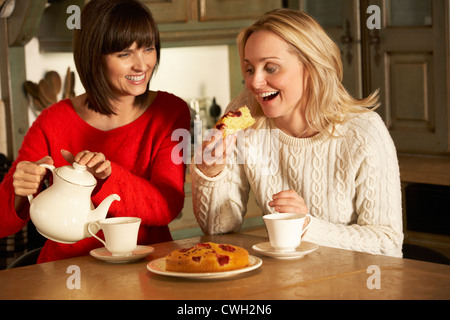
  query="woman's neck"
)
[
  {"x": 295, "y": 126},
  {"x": 126, "y": 112}
]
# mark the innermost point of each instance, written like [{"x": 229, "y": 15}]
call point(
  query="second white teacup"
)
[
  {"x": 120, "y": 234},
  {"x": 286, "y": 230}
]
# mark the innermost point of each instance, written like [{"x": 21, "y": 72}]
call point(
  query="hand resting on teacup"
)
[{"x": 288, "y": 201}]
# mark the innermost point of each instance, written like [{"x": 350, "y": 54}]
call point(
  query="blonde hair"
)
[{"x": 328, "y": 103}]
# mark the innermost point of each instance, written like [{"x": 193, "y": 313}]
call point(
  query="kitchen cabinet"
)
[
  {"x": 183, "y": 11},
  {"x": 220, "y": 10},
  {"x": 174, "y": 11},
  {"x": 53, "y": 33},
  {"x": 205, "y": 22},
  {"x": 407, "y": 57},
  {"x": 181, "y": 22},
  {"x": 341, "y": 20}
]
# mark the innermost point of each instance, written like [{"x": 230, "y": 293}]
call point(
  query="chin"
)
[
  {"x": 271, "y": 114},
  {"x": 137, "y": 93}
]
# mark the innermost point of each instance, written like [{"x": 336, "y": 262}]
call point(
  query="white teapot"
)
[{"x": 62, "y": 212}]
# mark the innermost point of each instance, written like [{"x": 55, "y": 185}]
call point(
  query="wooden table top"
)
[{"x": 326, "y": 273}]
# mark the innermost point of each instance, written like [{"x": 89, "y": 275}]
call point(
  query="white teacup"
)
[
  {"x": 286, "y": 230},
  {"x": 120, "y": 234}
]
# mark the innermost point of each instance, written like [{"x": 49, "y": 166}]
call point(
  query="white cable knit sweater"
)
[{"x": 350, "y": 183}]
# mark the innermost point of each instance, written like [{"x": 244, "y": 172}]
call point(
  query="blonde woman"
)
[{"x": 314, "y": 148}]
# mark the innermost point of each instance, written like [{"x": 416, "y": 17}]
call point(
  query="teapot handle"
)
[{"x": 47, "y": 166}]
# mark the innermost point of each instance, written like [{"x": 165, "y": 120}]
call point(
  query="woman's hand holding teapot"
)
[
  {"x": 95, "y": 162},
  {"x": 28, "y": 176}
]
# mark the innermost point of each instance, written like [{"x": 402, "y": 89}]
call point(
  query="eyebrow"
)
[
  {"x": 127, "y": 50},
  {"x": 263, "y": 59},
  {"x": 130, "y": 50}
]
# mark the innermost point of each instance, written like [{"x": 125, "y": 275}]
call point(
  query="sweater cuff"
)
[
  {"x": 12, "y": 221},
  {"x": 105, "y": 187},
  {"x": 204, "y": 180}
]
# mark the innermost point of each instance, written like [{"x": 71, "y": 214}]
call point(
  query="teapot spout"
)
[{"x": 101, "y": 211}]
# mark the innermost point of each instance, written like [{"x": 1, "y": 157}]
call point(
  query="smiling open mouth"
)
[
  {"x": 267, "y": 96},
  {"x": 136, "y": 78}
]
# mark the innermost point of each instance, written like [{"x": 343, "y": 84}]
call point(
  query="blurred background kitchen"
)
[{"x": 399, "y": 46}]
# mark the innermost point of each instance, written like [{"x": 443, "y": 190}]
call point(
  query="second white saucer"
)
[{"x": 266, "y": 249}]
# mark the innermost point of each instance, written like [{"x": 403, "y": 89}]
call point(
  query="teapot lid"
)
[{"x": 77, "y": 174}]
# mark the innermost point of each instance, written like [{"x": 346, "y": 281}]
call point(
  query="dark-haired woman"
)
[{"x": 118, "y": 128}]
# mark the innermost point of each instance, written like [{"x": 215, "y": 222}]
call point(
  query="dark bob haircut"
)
[{"x": 109, "y": 26}]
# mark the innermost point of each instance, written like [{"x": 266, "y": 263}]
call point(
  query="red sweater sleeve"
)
[
  {"x": 34, "y": 147},
  {"x": 10, "y": 221}
]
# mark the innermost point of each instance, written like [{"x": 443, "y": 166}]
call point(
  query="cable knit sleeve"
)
[
  {"x": 220, "y": 202},
  {"x": 377, "y": 221}
]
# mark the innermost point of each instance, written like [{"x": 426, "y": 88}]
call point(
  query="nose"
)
[
  {"x": 139, "y": 63},
  {"x": 256, "y": 81}
]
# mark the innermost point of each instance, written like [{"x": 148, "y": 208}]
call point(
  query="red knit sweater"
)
[{"x": 149, "y": 183}]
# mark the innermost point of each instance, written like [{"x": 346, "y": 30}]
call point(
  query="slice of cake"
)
[{"x": 233, "y": 121}]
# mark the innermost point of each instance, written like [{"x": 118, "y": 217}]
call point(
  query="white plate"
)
[
  {"x": 158, "y": 266},
  {"x": 138, "y": 253},
  {"x": 266, "y": 249}
]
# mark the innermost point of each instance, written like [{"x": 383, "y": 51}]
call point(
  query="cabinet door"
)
[
  {"x": 408, "y": 60},
  {"x": 170, "y": 11},
  {"x": 341, "y": 20},
  {"x": 215, "y": 10}
]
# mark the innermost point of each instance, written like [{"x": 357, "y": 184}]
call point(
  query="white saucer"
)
[
  {"x": 302, "y": 250},
  {"x": 138, "y": 253},
  {"x": 158, "y": 266}
]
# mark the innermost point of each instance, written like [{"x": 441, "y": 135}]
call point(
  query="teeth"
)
[
  {"x": 267, "y": 94},
  {"x": 135, "y": 78}
]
